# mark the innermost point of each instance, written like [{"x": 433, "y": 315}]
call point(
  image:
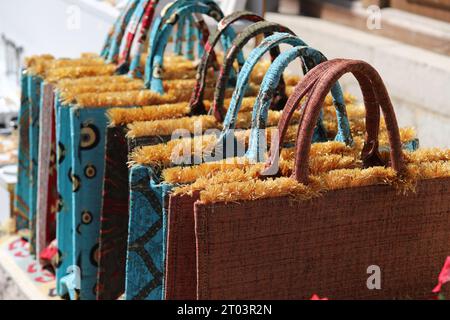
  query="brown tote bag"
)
[{"x": 280, "y": 248}]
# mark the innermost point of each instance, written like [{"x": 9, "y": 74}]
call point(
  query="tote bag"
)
[{"x": 266, "y": 249}]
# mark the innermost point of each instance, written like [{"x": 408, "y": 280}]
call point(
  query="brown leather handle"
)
[
  {"x": 375, "y": 97},
  {"x": 262, "y": 27}
]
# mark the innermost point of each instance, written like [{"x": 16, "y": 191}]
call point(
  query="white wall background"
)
[{"x": 61, "y": 27}]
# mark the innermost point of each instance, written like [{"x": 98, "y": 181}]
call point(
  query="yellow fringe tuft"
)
[
  {"x": 37, "y": 59},
  {"x": 69, "y": 95},
  {"x": 138, "y": 98},
  {"x": 162, "y": 154},
  {"x": 123, "y": 116},
  {"x": 251, "y": 188},
  {"x": 43, "y": 67},
  {"x": 189, "y": 174},
  {"x": 256, "y": 189},
  {"x": 67, "y": 84},
  {"x": 168, "y": 127},
  {"x": 54, "y": 75}
]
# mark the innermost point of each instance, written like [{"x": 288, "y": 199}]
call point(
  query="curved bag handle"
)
[
  {"x": 116, "y": 26},
  {"x": 185, "y": 31},
  {"x": 178, "y": 46},
  {"x": 189, "y": 38},
  {"x": 196, "y": 102},
  {"x": 135, "y": 63},
  {"x": 143, "y": 16},
  {"x": 308, "y": 81},
  {"x": 256, "y": 54},
  {"x": 269, "y": 84},
  {"x": 153, "y": 77},
  {"x": 135, "y": 66},
  {"x": 376, "y": 97},
  {"x": 262, "y": 27},
  {"x": 116, "y": 41},
  {"x": 199, "y": 34}
]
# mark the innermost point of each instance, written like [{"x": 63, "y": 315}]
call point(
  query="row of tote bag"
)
[{"x": 136, "y": 209}]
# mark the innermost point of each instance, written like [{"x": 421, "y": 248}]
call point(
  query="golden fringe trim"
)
[
  {"x": 168, "y": 127},
  {"x": 44, "y": 67},
  {"x": 124, "y": 99},
  {"x": 123, "y": 116},
  {"x": 67, "y": 84},
  {"x": 184, "y": 175},
  {"x": 114, "y": 84},
  {"x": 165, "y": 154},
  {"x": 161, "y": 154},
  {"x": 37, "y": 59},
  {"x": 324, "y": 157},
  {"x": 254, "y": 189},
  {"x": 69, "y": 95},
  {"x": 54, "y": 75},
  {"x": 89, "y": 55},
  {"x": 138, "y": 98}
]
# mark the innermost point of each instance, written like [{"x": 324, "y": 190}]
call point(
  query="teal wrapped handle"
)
[
  {"x": 310, "y": 58},
  {"x": 158, "y": 22},
  {"x": 153, "y": 74},
  {"x": 262, "y": 103},
  {"x": 263, "y": 27}
]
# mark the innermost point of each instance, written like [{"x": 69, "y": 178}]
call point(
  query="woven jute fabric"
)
[
  {"x": 181, "y": 264},
  {"x": 282, "y": 249}
]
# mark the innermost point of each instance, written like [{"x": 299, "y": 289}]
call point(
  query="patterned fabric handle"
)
[
  {"x": 153, "y": 77},
  {"x": 375, "y": 97},
  {"x": 166, "y": 14},
  {"x": 178, "y": 46},
  {"x": 262, "y": 27},
  {"x": 135, "y": 64},
  {"x": 113, "y": 51},
  {"x": 189, "y": 54},
  {"x": 244, "y": 76},
  {"x": 269, "y": 84},
  {"x": 105, "y": 50},
  {"x": 130, "y": 35},
  {"x": 223, "y": 30}
]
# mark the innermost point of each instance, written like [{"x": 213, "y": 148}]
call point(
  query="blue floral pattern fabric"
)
[
  {"x": 88, "y": 129},
  {"x": 65, "y": 184}
]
